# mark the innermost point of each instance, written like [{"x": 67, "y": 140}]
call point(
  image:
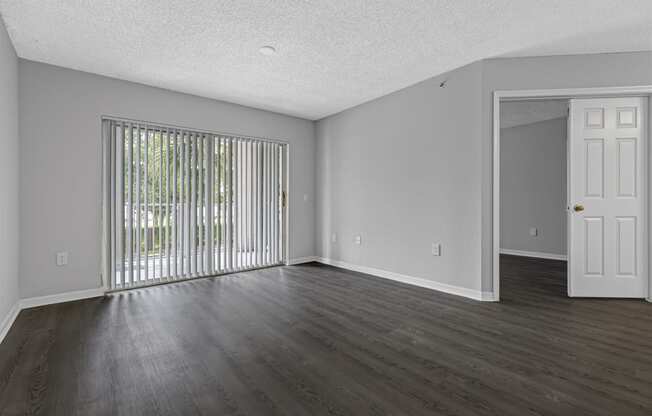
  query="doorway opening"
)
[{"x": 533, "y": 191}]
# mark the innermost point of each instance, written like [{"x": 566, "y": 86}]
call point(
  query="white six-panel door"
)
[{"x": 607, "y": 198}]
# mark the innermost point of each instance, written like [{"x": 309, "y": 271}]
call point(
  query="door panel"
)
[
  {"x": 607, "y": 218},
  {"x": 594, "y": 243},
  {"x": 594, "y": 168}
]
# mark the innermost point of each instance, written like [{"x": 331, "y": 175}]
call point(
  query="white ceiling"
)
[
  {"x": 517, "y": 113},
  {"x": 333, "y": 54}
]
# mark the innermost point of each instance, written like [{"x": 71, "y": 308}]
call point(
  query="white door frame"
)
[{"x": 563, "y": 93}]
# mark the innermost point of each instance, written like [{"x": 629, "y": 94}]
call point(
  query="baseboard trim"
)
[
  {"x": 60, "y": 298},
  {"x": 535, "y": 254},
  {"x": 301, "y": 260},
  {"x": 8, "y": 321},
  {"x": 488, "y": 297},
  {"x": 411, "y": 280}
]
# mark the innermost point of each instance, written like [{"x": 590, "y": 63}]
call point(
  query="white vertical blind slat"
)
[
  {"x": 209, "y": 205},
  {"x": 120, "y": 210},
  {"x": 272, "y": 205},
  {"x": 277, "y": 204},
  {"x": 192, "y": 201},
  {"x": 266, "y": 204},
  {"x": 277, "y": 200},
  {"x": 240, "y": 207},
  {"x": 174, "y": 244},
  {"x": 111, "y": 211},
  {"x": 237, "y": 206},
  {"x": 254, "y": 194},
  {"x": 258, "y": 193},
  {"x": 220, "y": 222},
  {"x": 234, "y": 204},
  {"x": 146, "y": 206},
  {"x": 263, "y": 206},
  {"x": 107, "y": 253},
  {"x": 201, "y": 196},
  {"x": 200, "y": 205},
  {"x": 188, "y": 207},
  {"x": 181, "y": 202},
  {"x": 233, "y": 198},
  {"x": 138, "y": 201},
  {"x": 247, "y": 192},
  {"x": 160, "y": 232},
  {"x": 227, "y": 205},
  {"x": 130, "y": 207},
  {"x": 270, "y": 211}
]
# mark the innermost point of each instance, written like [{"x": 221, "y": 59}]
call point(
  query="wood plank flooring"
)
[{"x": 317, "y": 340}]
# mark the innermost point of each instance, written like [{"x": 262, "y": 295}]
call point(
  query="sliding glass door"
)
[{"x": 180, "y": 204}]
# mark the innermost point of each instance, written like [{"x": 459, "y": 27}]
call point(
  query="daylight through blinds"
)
[{"x": 180, "y": 203}]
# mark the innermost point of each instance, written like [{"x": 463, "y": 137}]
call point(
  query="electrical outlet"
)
[
  {"x": 436, "y": 249},
  {"x": 358, "y": 240},
  {"x": 62, "y": 258},
  {"x": 334, "y": 238},
  {"x": 534, "y": 232}
]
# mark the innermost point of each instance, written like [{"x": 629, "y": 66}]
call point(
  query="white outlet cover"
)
[
  {"x": 358, "y": 239},
  {"x": 62, "y": 258},
  {"x": 534, "y": 232},
  {"x": 436, "y": 249},
  {"x": 334, "y": 238}
]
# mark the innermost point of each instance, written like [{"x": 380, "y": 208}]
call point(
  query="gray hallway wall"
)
[{"x": 533, "y": 187}]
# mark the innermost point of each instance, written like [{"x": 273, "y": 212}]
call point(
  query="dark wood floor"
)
[{"x": 316, "y": 340}]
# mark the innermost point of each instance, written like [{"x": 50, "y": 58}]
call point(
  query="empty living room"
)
[{"x": 337, "y": 207}]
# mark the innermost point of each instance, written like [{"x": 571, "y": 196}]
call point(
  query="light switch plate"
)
[
  {"x": 436, "y": 249},
  {"x": 534, "y": 232},
  {"x": 358, "y": 240}
]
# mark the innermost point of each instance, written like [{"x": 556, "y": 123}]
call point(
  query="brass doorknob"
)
[{"x": 578, "y": 208}]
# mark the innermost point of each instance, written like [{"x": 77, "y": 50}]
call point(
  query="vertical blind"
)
[{"x": 180, "y": 203}]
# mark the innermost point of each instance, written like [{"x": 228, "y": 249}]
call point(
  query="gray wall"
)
[
  {"x": 9, "y": 239},
  {"x": 60, "y": 168},
  {"x": 533, "y": 186},
  {"x": 569, "y": 71},
  {"x": 403, "y": 171}
]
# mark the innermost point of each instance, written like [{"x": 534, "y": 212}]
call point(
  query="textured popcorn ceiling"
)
[{"x": 333, "y": 54}]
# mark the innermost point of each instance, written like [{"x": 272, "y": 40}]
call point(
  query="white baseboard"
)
[
  {"x": 301, "y": 260},
  {"x": 61, "y": 297},
  {"x": 535, "y": 254},
  {"x": 8, "y": 320},
  {"x": 26, "y": 303},
  {"x": 488, "y": 297},
  {"x": 411, "y": 280}
]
